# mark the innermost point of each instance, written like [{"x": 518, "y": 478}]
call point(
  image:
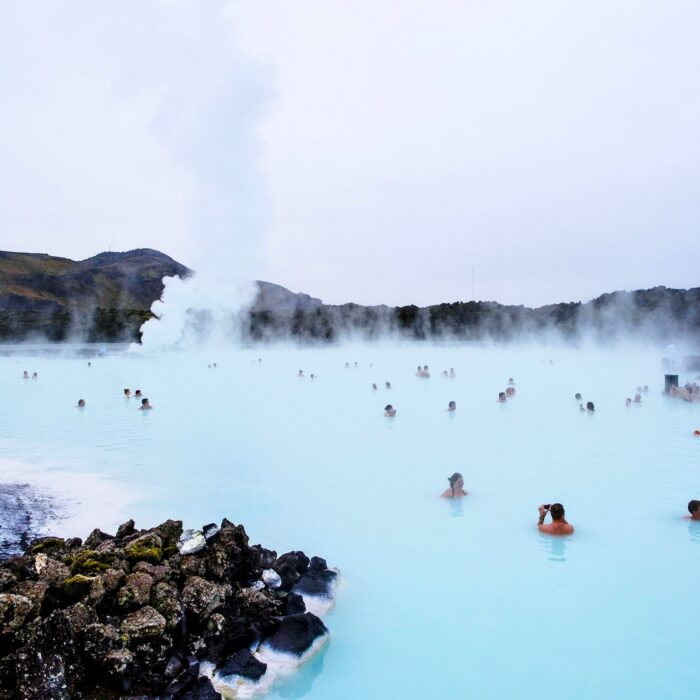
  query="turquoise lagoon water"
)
[{"x": 439, "y": 599}]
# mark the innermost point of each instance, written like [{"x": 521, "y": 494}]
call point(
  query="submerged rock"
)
[{"x": 243, "y": 664}]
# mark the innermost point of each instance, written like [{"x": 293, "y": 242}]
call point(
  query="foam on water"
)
[{"x": 439, "y": 598}]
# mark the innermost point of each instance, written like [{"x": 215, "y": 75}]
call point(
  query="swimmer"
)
[
  {"x": 452, "y": 373},
  {"x": 81, "y": 403},
  {"x": 502, "y": 397},
  {"x": 443, "y": 373},
  {"x": 510, "y": 391},
  {"x": 694, "y": 510},
  {"x": 145, "y": 405},
  {"x": 559, "y": 525},
  {"x": 214, "y": 365},
  {"x": 628, "y": 401},
  {"x": 590, "y": 407},
  {"x": 578, "y": 396},
  {"x": 645, "y": 389},
  {"x": 638, "y": 398},
  {"x": 347, "y": 364},
  {"x": 452, "y": 406},
  {"x": 389, "y": 411},
  {"x": 419, "y": 371},
  {"x": 301, "y": 373},
  {"x": 425, "y": 372},
  {"x": 259, "y": 359},
  {"x": 374, "y": 386},
  {"x": 696, "y": 432},
  {"x": 313, "y": 376},
  {"x": 511, "y": 382},
  {"x": 456, "y": 489},
  {"x": 35, "y": 375},
  {"x": 127, "y": 393},
  {"x": 25, "y": 375},
  {"x": 89, "y": 364},
  {"x": 387, "y": 385},
  {"x": 138, "y": 394}
]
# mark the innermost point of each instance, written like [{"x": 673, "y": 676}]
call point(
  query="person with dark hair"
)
[
  {"x": 387, "y": 385},
  {"x": 389, "y": 411},
  {"x": 590, "y": 407},
  {"x": 638, "y": 398},
  {"x": 25, "y": 375},
  {"x": 452, "y": 373},
  {"x": 374, "y": 386},
  {"x": 81, "y": 403},
  {"x": 456, "y": 489},
  {"x": 694, "y": 510},
  {"x": 628, "y": 401},
  {"x": 425, "y": 372},
  {"x": 301, "y": 373},
  {"x": 452, "y": 406},
  {"x": 127, "y": 393},
  {"x": 559, "y": 525},
  {"x": 145, "y": 405},
  {"x": 137, "y": 394},
  {"x": 577, "y": 396},
  {"x": 511, "y": 381},
  {"x": 501, "y": 397},
  {"x": 419, "y": 371}
]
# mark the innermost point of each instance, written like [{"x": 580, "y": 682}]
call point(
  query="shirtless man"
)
[
  {"x": 145, "y": 405},
  {"x": 559, "y": 525},
  {"x": 694, "y": 510}
]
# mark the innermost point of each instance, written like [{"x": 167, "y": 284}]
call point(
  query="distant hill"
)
[
  {"x": 108, "y": 297},
  {"x": 131, "y": 280}
]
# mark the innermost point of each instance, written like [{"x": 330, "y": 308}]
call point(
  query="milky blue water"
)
[{"x": 440, "y": 599}]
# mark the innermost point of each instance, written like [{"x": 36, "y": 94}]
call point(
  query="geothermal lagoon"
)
[{"x": 437, "y": 598}]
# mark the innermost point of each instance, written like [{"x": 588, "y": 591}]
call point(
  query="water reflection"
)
[
  {"x": 555, "y": 547},
  {"x": 456, "y": 507},
  {"x": 694, "y": 530}
]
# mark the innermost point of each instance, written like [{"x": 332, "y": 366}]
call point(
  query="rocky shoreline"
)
[{"x": 160, "y": 614}]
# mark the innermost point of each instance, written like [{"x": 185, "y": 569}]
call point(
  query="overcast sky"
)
[{"x": 372, "y": 151}]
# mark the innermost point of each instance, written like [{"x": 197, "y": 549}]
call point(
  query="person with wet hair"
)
[
  {"x": 35, "y": 375},
  {"x": 452, "y": 406},
  {"x": 456, "y": 489},
  {"x": 389, "y": 411},
  {"x": 419, "y": 371},
  {"x": 426, "y": 372},
  {"x": 300, "y": 373},
  {"x": 387, "y": 385},
  {"x": 590, "y": 407},
  {"x": 145, "y": 405},
  {"x": 25, "y": 375},
  {"x": 452, "y": 373},
  {"x": 577, "y": 396},
  {"x": 694, "y": 510},
  {"x": 501, "y": 397},
  {"x": 559, "y": 524},
  {"x": 127, "y": 393},
  {"x": 511, "y": 381},
  {"x": 81, "y": 403},
  {"x": 638, "y": 398},
  {"x": 374, "y": 386},
  {"x": 137, "y": 394}
]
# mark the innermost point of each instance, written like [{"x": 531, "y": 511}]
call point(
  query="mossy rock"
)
[
  {"x": 88, "y": 561},
  {"x": 169, "y": 551},
  {"x": 49, "y": 545},
  {"x": 77, "y": 586},
  {"x": 140, "y": 552}
]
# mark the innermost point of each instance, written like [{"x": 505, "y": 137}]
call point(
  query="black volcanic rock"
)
[{"x": 129, "y": 616}]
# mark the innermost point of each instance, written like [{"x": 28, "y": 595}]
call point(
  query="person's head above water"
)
[
  {"x": 387, "y": 385},
  {"x": 577, "y": 396},
  {"x": 502, "y": 396},
  {"x": 389, "y": 410},
  {"x": 590, "y": 406},
  {"x": 556, "y": 510},
  {"x": 451, "y": 406},
  {"x": 138, "y": 392},
  {"x": 694, "y": 509},
  {"x": 456, "y": 489},
  {"x": 127, "y": 393},
  {"x": 81, "y": 403}
]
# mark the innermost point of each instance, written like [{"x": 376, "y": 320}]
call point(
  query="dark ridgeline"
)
[{"x": 108, "y": 297}]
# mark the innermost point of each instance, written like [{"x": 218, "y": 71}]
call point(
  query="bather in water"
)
[
  {"x": 559, "y": 524},
  {"x": 456, "y": 489},
  {"x": 145, "y": 405},
  {"x": 389, "y": 411},
  {"x": 452, "y": 406}
]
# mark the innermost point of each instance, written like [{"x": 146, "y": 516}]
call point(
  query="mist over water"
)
[{"x": 438, "y": 598}]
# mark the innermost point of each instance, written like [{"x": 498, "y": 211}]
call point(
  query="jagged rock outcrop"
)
[{"x": 132, "y": 615}]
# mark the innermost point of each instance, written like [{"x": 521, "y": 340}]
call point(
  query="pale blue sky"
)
[{"x": 370, "y": 151}]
